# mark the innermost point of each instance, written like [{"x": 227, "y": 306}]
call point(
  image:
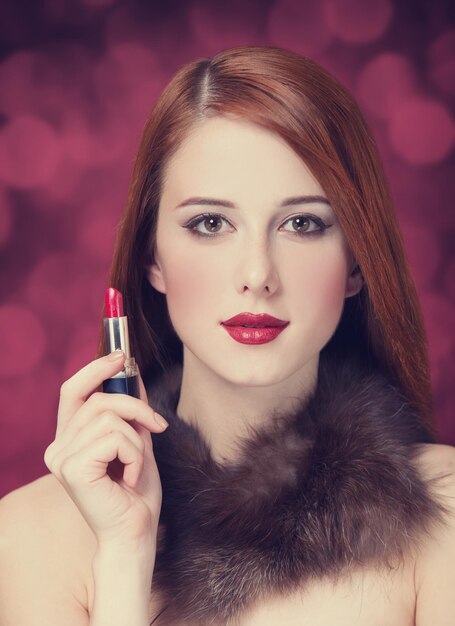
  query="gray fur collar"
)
[{"x": 326, "y": 488}]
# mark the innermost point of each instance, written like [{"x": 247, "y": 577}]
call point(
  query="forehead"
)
[{"x": 228, "y": 155}]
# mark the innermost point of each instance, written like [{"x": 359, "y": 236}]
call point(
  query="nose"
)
[{"x": 256, "y": 269}]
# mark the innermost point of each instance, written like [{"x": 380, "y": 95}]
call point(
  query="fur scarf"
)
[{"x": 316, "y": 492}]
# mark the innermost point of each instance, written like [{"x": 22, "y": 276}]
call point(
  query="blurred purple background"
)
[{"x": 77, "y": 80}]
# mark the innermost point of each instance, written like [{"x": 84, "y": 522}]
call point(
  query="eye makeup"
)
[{"x": 303, "y": 217}]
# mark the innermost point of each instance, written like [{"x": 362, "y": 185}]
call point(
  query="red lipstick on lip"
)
[
  {"x": 116, "y": 337},
  {"x": 253, "y": 328},
  {"x": 254, "y": 319}
]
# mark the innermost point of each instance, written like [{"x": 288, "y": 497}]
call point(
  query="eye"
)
[
  {"x": 304, "y": 224},
  {"x": 210, "y": 221}
]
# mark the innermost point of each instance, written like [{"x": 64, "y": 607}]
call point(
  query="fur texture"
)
[{"x": 317, "y": 492}]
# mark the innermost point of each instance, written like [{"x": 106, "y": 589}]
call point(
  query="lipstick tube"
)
[{"x": 116, "y": 337}]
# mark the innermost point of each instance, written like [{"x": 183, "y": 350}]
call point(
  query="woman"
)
[{"x": 298, "y": 480}]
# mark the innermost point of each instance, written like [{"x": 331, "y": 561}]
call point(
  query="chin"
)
[{"x": 254, "y": 376}]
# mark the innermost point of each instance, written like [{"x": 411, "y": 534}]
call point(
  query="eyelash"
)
[{"x": 192, "y": 224}]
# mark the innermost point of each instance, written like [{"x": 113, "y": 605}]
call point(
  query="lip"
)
[
  {"x": 264, "y": 334},
  {"x": 260, "y": 320}
]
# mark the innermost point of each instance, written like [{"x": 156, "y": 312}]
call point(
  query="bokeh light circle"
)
[
  {"x": 92, "y": 145},
  {"x": 82, "y": 348},
  {"x": 17, "y": 80},
  {"x": 23, "y": 340},
  {"x": 131, "y": 77},
  {"x": 97, "y": 237},
  {"x": 441, "y": 58},
  {"x": 98, "y": 3},
  {"x": 424, "y": 252},
  {"x": 357, "y": 21},
  {"x": 439, "y": 314},
  {"x": 6, "y": 217},
  {"x": 225, "y": 25},
  {"x": 29, "y": 414},
  {"x": 449, "y": 278},
  {"x": 421, "y": 131},
  {"x": 384, "y": 82},
  {"x": 58, "y": 285},
  {"x": 300, "y": 26},
  {"x": 29, "y": 152}
]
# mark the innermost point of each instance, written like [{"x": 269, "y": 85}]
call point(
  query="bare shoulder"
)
[
  {"x": 48, "y": 546},
  {"x": 435, "y": 459},
  {"x": 436, "y": 465},
  {"x": 44, "y": 509},
  {"x": 435, "y": 565}
]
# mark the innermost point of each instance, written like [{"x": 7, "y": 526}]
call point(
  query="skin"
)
[{"x": 255, "y": 261}]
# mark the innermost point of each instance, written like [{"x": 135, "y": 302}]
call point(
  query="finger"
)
[
  {"x": 75, "y": 391},
  {"x": 127, "y": 407},
  {"x": 105, "y": 423},
  {"x": 89, "y": 465}
]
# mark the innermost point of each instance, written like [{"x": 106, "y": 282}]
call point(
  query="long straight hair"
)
[{"x": 296, "y": 98}]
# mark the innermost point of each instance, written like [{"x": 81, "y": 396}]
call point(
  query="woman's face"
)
[{"x": 250, "y": 254}]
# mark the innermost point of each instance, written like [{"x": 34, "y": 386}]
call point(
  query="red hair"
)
[{"x": 296, "y": 98}]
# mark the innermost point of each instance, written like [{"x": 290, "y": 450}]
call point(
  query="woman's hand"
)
[{"x": 103, "y": 456}]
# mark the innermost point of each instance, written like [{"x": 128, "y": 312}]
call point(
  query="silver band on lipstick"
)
[
  {"x": 116, "y": 335},
  {"x": 117, "y": 338}
]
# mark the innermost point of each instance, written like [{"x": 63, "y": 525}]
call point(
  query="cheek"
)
[
  {"x": 193, "y": 281},
  {"x": 318, "y": 282}
]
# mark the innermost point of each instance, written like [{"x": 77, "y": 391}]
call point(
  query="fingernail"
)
[
  {"x": 116, "y": 355},
  {"x": 161, "y": 421}
]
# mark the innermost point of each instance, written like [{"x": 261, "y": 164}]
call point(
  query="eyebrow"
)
[{"x": 226, "y": 203}]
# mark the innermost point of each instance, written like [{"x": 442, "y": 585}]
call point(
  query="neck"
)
[{"x": 225, "y": 411}]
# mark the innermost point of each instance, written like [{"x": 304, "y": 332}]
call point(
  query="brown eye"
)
[
  {"x": 306, "y": 224},
  {"x": 207, "y": 225},
  {"x": 301, "y": 223},
  {"x": 212, "y": 224}
]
